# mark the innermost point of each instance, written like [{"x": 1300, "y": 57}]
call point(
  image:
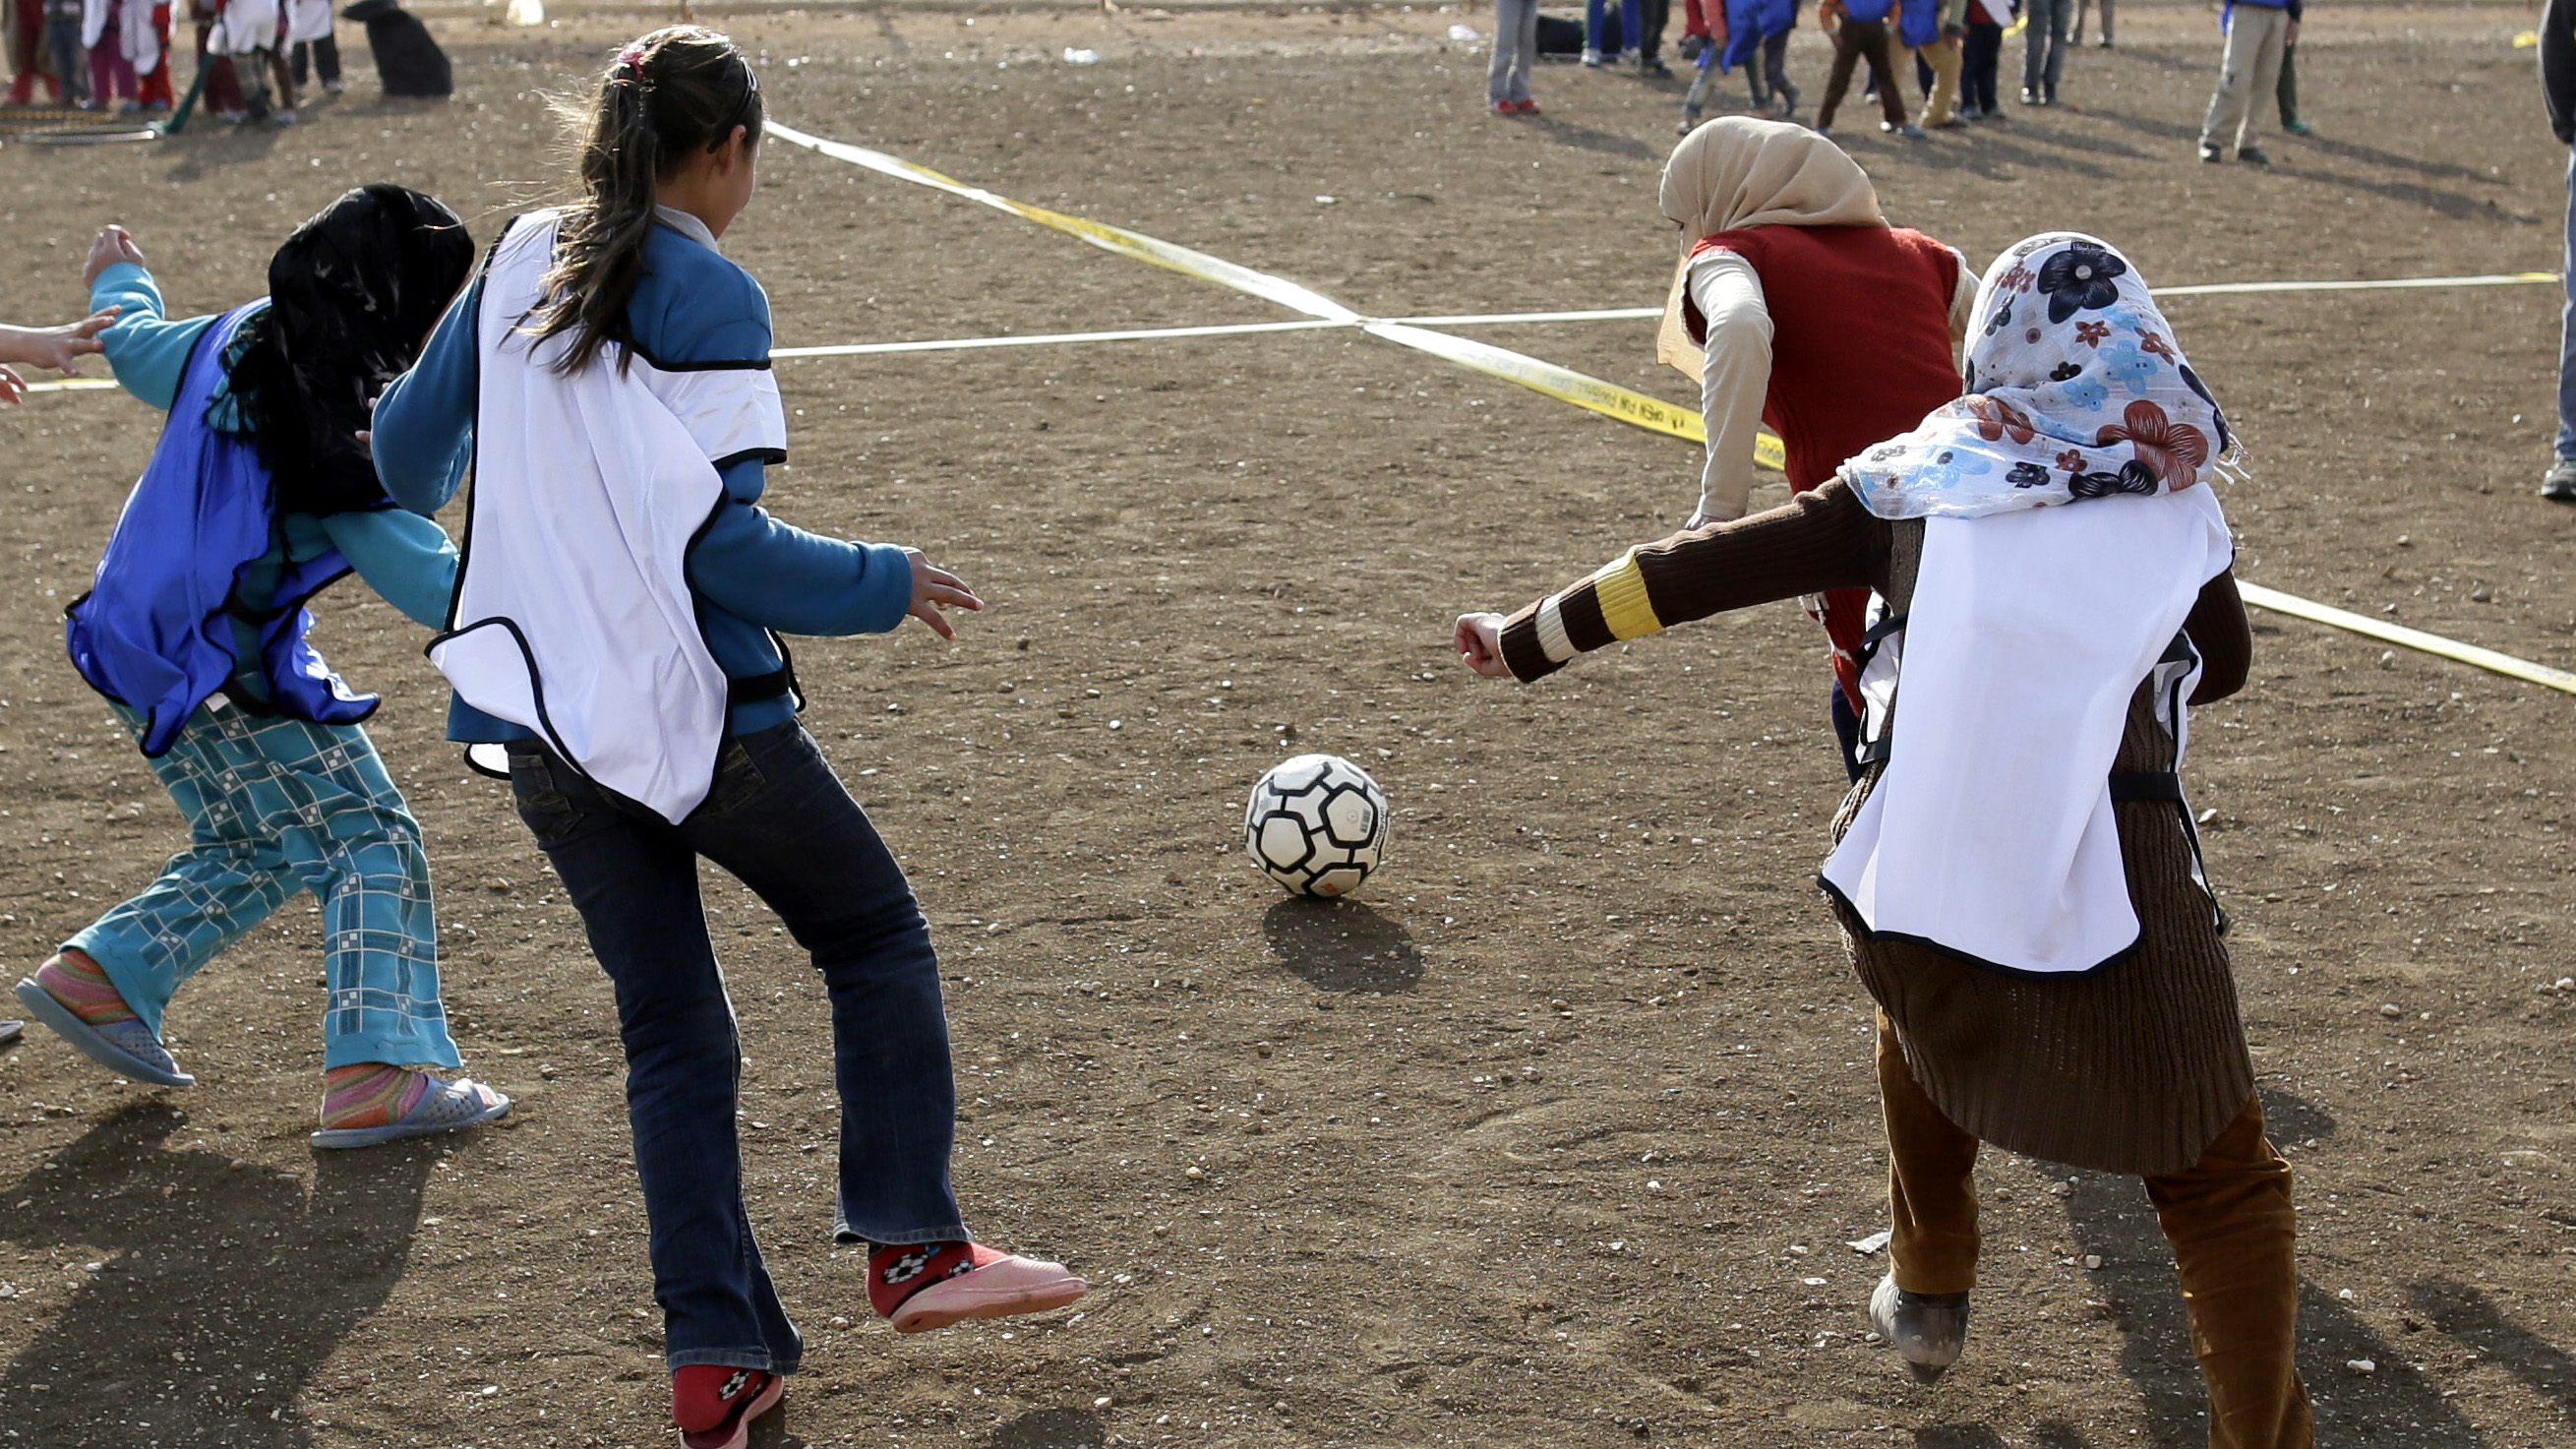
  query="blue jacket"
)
[
  {"x": 751, "y": 574},
  {"x": 148, "y": 633},
  {"x": 1749, "y": 23}
]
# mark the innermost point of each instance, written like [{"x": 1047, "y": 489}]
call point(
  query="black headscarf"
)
[{"x": 352, "y": 296}]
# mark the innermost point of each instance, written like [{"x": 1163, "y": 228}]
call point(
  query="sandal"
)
[
  {"x": 444, "y": 1107},
  {"x": 127, "y": 1048}
]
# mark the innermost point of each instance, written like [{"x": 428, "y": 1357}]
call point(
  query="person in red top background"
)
[
  {"x": 1796, "y": 305},
  {"x": 1981, "y": 58}
]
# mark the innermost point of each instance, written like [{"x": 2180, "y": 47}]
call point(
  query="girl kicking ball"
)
[
  {"x": 2015, "y": 870},
  {"x": 608, "y": 378}
]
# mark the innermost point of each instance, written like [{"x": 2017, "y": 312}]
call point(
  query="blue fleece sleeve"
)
[
  {"x": 147, "y": 352},
  {"x": 405, "y": 558},
  {"x": 780, "y": 577},
  {"x": 424, "y": 423}
]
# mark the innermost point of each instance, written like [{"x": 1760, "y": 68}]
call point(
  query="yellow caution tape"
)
[
  {"x": 1606, "y": 398},
  {"x": 2505, "y": 664}
]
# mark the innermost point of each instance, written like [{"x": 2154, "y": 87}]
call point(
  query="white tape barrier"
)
[{"x": 1472, "y": 319}]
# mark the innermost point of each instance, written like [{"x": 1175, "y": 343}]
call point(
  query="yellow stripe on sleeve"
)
[{"x": 1621, "y": 590}]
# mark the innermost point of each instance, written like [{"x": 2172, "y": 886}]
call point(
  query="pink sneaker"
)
[
  {"x": 1527, "y": 108},
  {"x": 1000, "y": 1285}
]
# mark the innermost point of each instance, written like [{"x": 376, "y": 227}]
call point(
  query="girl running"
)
[
  {"x": 259, "y": 495},
  {"x": 2015, "y": 871},
  {"x": 608, "y": 378}
]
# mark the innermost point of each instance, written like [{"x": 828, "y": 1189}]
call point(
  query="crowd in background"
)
[
  {"x": 1956, "y": 46},
  {"x": 255, "y": 56}
]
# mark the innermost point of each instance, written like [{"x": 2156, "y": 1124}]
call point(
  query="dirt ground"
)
[{"x": 1556, "y": 1135}]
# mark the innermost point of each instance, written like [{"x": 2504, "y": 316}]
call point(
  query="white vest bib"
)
[
  {"x": 1990, "y": 834},
  {"x": 573, "y": 615}
]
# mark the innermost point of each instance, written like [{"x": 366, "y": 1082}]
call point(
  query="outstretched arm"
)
[{"x": 1817, "y": 541}]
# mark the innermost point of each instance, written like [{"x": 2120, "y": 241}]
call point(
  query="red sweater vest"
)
[
  {"x": 1860, "y": 352},
  {"x": 1860, "y": 335}
]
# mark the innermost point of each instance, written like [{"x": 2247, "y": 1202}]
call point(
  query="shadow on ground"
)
[
  {"x": 2394, "y": 1404},
  {"x": 220, "y": 1290},
  {"x": 1342, "y": 946}
]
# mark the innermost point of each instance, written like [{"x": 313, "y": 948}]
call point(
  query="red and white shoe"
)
[
  {"x": 999, "y": 1285},
  {"x": 714, "y": 1404}
]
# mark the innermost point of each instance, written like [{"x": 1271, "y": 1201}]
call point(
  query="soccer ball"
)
[{"x": 1316, "y": 824}]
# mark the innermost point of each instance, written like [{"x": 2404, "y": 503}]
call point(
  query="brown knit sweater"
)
[{"x": 2133, "y": 1068}]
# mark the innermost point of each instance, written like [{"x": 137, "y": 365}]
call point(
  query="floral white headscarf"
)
[{"x": 2075, "y": 390}]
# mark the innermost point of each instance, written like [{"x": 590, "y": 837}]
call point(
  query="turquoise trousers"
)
[{"x": 275, "y": 807}]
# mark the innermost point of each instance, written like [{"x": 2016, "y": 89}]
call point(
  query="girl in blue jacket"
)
[
  {"x": 260, "y": 494},
  {"x": 615, "y": 630}
]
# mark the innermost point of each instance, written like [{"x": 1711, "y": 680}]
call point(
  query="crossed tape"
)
[{"x": 1563, "y": 383}]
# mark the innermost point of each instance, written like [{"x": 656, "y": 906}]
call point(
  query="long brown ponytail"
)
[{"x": 678, "y": 90}]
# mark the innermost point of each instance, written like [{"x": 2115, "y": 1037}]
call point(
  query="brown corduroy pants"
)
[{"x": 2227, "y": 1216}]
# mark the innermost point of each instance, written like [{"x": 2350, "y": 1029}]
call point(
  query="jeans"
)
[
  {"x": 276, "y": 807},
  {"x": 1515, "y": 46},
  {"x": 2043, "y": 55},
  {"x": 779, "y": 820},
  {"x": 1981, "y": 56},
  {"x": 2075, "y": 30},
  {"x": 1628, "y": 18},
  {"x": 1765, "y": 68},
  {"x": 2567, "y": 327},
  {"x": 1856, "y": 42},
  {"x": 71, "y": 63}
]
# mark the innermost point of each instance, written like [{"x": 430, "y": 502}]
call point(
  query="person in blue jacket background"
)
[
  {"x": 638, "y": 297},
  {"x": 260, "y": 494},
  {"x": 1862, "y": 37}
]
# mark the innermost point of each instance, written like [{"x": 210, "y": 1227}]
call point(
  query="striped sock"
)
[
  {"x": 370, "y": 1094},
  {"x": 79, "y": 983}
]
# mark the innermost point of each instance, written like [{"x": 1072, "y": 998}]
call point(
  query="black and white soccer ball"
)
[{"x": 1317, "y": 825}]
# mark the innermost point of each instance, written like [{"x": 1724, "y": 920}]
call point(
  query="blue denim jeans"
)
[
  {"x": 780, "y": 821},
  {"x": 1630, "y": 14},
  {"x": 2567, "y": 327},
  {"x": 2043, "y": 54}
]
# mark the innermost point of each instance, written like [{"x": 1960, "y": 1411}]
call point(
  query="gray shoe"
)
[
  {"x": 1928, "y": 1329},
  {"x": 127, "y": 1047},
  {"x": 2559, "y": 483}
]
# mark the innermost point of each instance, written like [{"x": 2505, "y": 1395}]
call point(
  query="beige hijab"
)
[{"x": 1737, "y": 172}]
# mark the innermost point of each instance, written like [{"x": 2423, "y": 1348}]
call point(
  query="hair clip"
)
[{"x": 631, "y": 59}]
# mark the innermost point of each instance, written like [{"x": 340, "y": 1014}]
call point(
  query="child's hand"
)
[
  {"x": 932, "y": 587},
  {"x": 1479, "y": 638},
  {"x": 61, "y": 348},
  {"x": 12, "y": 386},
  {"x": 113, "y": 244}
]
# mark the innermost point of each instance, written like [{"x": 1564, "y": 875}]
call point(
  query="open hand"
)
[
  {"x": 113, "y": 244},
  {"x": 1479, "y": 638},
  {"x": 62, "y": 348},
  {"x": 933, "y": 587}
]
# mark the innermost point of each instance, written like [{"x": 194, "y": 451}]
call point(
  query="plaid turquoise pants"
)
[{"x": 277, "y": 806}]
